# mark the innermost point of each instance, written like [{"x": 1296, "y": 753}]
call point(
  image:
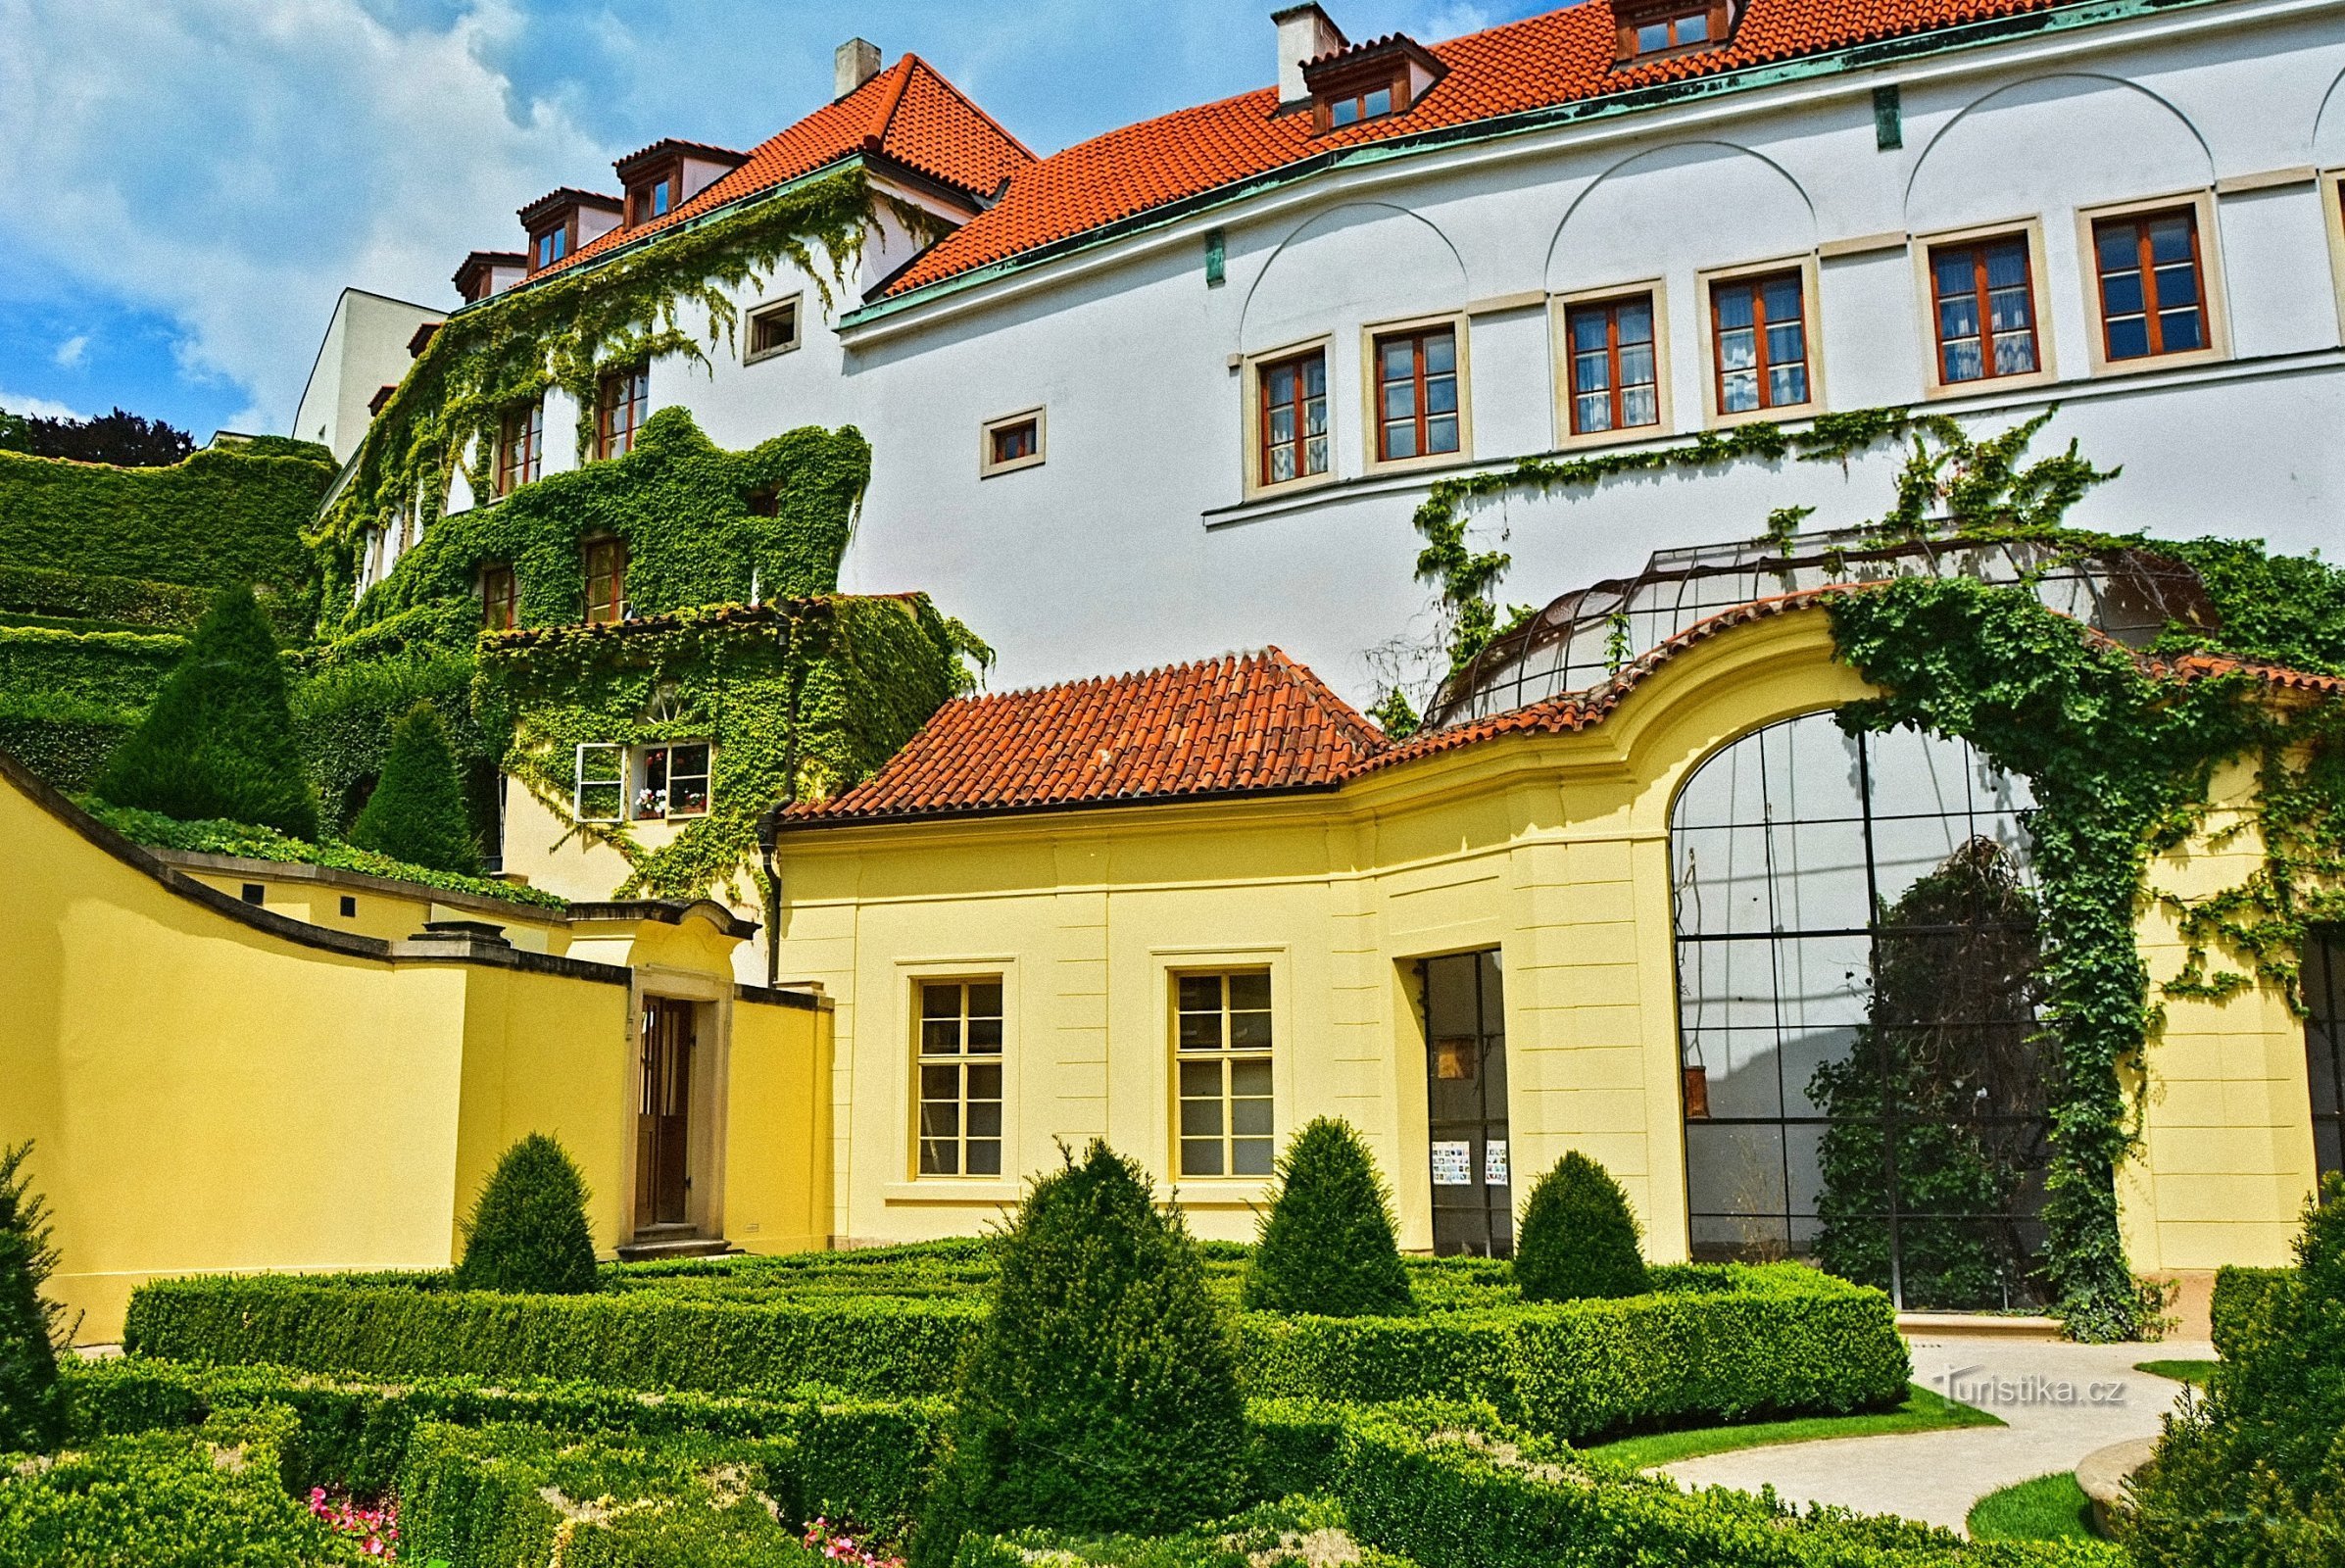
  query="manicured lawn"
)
[
  {"x": 2192, "y": 1372},
  {"x": 1922, "y": 1411},
  {"x": 2050, "y": 1507}
]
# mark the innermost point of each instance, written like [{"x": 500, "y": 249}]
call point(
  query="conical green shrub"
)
[
  {"x": 1102, "y": 1394},
  {"x": 1579, "y": 1237},
  {"x": 220, "y": 740},
  {"x": 528, "y": 1231},
  {"x": 417, "y": 812},
  {"x": 32, "y": 1403},
  {"x": 1327, "y": 1245}
]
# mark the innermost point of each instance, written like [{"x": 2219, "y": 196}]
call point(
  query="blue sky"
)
[{"x": 196, "y": 180}]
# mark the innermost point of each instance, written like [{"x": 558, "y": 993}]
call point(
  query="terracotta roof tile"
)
[
  {"x": 908, "y": 111},
  {"x": 1563, "y": 57},
  {"x": 1242, "y": 723}
]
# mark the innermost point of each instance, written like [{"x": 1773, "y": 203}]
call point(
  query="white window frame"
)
[
  {"x": 987, "y": 467},
  {"x": 620, "y": 782},
  {"x": 794, "y": 305},
  {"x": 999, "y": 1058}
]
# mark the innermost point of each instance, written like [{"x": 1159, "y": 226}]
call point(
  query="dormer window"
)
[
  {"x": 549, "y": 247},
  {"x": 1364, "y": 82},
  {"x": 655, "y": 197},
  {"x": 564, "y": 221},
  {"x": 1650, "y": 29},
  {"x": 663, "y": 176}
]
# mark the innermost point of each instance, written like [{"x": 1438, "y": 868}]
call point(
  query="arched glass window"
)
[{"x": 1857, "y": 980}]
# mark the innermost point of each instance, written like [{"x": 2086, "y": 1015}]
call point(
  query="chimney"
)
[
  {"x": 855, "y": 62},
  {"x": 1305, "y": 32}
]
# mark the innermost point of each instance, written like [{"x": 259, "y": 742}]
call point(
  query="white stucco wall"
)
[
  {"x": 364, "y": 350},
  {"x": 1135, "y": 544}
]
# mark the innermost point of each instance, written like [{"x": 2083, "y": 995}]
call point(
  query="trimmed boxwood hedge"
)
[
  {"x": 123, "y": 601},
  {"x": 116, "y": 668},
  {"x": 2242, "y": 1305},
  {"x": 64, "y": 739},
  {"x": 1757, "y": 1341}
]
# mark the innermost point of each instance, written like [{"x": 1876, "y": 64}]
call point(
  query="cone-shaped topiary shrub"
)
[
  {"x": 1102, "y": 1394},
  {"x": 1578, "y": 1237},
  {"x": 528, "y": 1230},
  {"x": 220, "y": 740},
  {"x": 417, "y": 812},
  {"x": 2252, "y": 1475},
  {"x": 32, "y": 1403},
  {"x": 1327, "y": 1244}
]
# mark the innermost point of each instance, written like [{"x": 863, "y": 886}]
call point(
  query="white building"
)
[
  {"x": 1080, "y": 397},
  {"x": 369, "y": 341}
]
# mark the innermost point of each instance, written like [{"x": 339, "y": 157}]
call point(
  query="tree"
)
[
  {"x": 1950, "y": 1074},
  {"x": 123, "y": 439},
  {"x": 33, "y": 1330},
  {"x": 219, "y": 741},
  {"x": 527, "y": 1233},
  {"x": 2252, "y": 1475},
  {"x": 417, "y": 812},
  {"x": 1327, "y": 1245},
  {"x": 1579, "y": 1237},
  {"x": 1103, "y": 1392}
]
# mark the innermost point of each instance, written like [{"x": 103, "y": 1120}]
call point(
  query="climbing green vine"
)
[{"x": 563, "y": 332}]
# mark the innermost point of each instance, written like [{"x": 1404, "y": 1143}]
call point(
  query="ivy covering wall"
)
[{"x": 800, "y": 700}]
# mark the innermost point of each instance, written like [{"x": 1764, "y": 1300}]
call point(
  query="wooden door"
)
[{"x": 664, "y": 1122}]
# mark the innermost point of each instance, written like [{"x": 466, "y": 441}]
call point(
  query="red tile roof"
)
[
  {"x": 1252, "y": 724},
  {"x": 1562, "y": 57},
  {"x": 908, "y": 113}
]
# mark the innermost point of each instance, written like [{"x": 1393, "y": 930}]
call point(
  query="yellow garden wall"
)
[
  {"x": 777, "y": 1189},
  {"x": 1552, "y": 847}
]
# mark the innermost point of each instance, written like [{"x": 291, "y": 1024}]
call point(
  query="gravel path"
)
[{"x": 2059, "y": 1401}]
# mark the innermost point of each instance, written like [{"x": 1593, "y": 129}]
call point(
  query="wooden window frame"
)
[
  {"x": 568, "y": 228},
  {"x": 987, "y": 464},
  {"x": 639, "y": 193},
  {"x": 1372, "y": 336},
  {"x": 794, "y": 305},
  {"x": 1923, "y": 247},
  {"x": 1392, "y": 80},
  {"x": 614, "y": 604},
  {"x": 1707, "y": 283},
  {"x": 1632, "y": 18},
  {"x": 2153, "y": 307},
  {"x": 2215, "y": 317},
  {"x": 636, "y": 399},
  {"x": 1560, "y": 310},
  {"x": 1227, "y": 1056},
  {"x": 960, "y": 1060},
  {"x": 521, "y": 452},
  {"x": 500, "y": 598},
  {"x": 1258, "y": 407}
]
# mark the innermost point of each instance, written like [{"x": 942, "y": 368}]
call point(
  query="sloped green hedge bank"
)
[
  {"x": 62, "y": 739},
  {"x": 123, "y": 603},
  {"x": 222, "y": 517},
  {"x": 1768, "y": 1339}
]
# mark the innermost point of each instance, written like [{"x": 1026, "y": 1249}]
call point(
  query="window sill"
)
[
  {"x": 994, "y": 471},
  {"x": 950, "y": 1190},
  {"x": 2104, "y": 369},
  {"x": 1435, "y": 459},
  {"x": 1990, "y": 385},
  {"x": 1626, "y": 436},
  {"x": 770, "y": 354},
  {"x": 1782, "y": 414}
]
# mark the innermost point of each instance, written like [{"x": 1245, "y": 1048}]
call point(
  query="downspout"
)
[{"x": 769, "y": 823}]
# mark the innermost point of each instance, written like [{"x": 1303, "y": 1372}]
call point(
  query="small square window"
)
[
  {"x": 1015, "y": 441},
  {"x": 1983, "y": 307},
  {"x": 254, "y": 893},
  {"x": 772, "y": 331},
  {"x": 350, "y": 907}
]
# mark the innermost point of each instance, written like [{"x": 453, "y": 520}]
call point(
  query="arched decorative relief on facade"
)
[
  {"x": 1641, "y": 212},
  {"x": 2328, "y": 127},
  {"x": 2043, "y": 146},
  {"x": 1360, "y": 262}
]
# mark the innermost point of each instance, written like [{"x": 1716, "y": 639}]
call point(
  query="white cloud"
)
[
  {"x": 73, "y": 351},
  {"x": 36, "y": 408},
  {"x": 234, "y": 164}
]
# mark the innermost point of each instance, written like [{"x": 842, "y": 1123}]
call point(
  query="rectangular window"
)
[
  {"x": 500, "y": 599},
  {"x": 2153, "y": 300},
  {"x": 1373, "y": 104},
  {"x": 551, "y": 246},
  {"x": 1221, "y": 1036},
  {"x": 606, "y": 563},
  {"x": 1982, "y": 297},
  {"x": 1615, "y": 377},
  {"x": 601, "y": 787},
  {"x": 672, "y": 780},
  {"x": 1416, "y": 394},
  {"x": 772, "y": 330},
  {"x": 960, "y": 1077},
  {"x": 621, "y": 400},
  {"x": 1294, "y": 435},
  {"x": 2323, "y": 978},
  {"x": 1013, "y": 441},
  {"x": 1760, "y": 341},
  {"x": 521, "y": 447}
]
